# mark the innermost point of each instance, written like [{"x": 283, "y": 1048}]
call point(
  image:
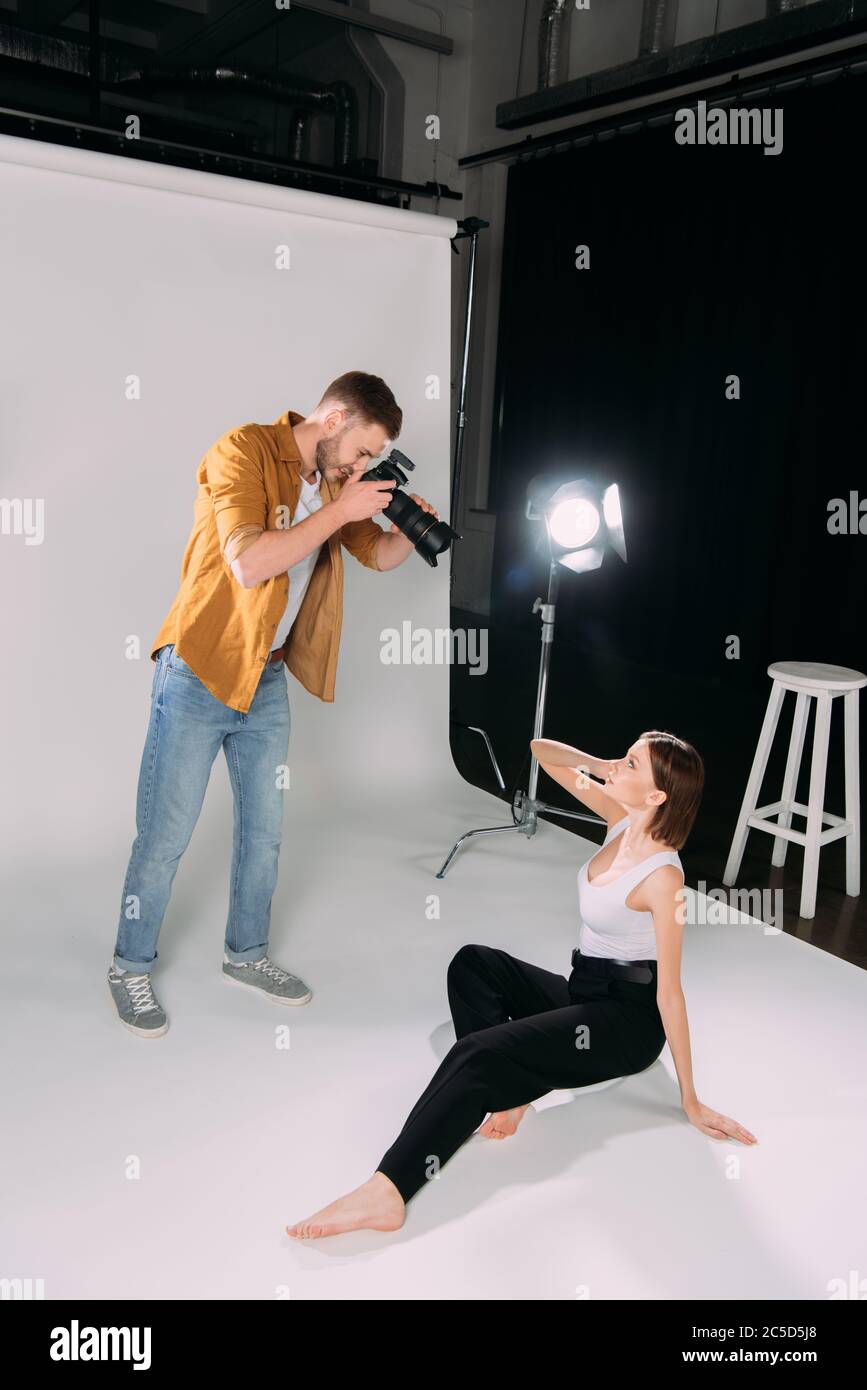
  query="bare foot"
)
[
  {"x": 503, "y": 1122},
  {"x": 374, "y": 1206}
]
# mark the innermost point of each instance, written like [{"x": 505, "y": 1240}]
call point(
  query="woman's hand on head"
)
[{"x": 715, "y": 1125}]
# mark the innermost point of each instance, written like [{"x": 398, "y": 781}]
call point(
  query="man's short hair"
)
[{"x": 367, "y": 400}]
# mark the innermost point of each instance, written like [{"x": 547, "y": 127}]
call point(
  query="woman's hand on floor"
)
[{"x": 717, "y": 1126}]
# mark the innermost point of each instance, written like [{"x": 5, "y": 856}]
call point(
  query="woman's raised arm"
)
[{"x": 571, "y": 768}]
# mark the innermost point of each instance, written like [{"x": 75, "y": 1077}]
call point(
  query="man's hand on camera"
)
[
  {"x": 425, "y": 506},
  {"x": 358, "y": 500}
]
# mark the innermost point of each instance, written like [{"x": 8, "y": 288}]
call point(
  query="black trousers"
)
[{"x": 521, "y": 1032}]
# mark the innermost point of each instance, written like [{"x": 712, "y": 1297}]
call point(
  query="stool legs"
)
[
  {"x": 754, "y": 783},
  {"x": 853, "y": 810},
  {"x": 790, "y": 781},
  {"x": 808, "y": 681},
  {"x": 816, "y": 804}
]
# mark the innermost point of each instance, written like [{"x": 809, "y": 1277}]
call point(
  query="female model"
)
[{"x": 523, "y": 1031}]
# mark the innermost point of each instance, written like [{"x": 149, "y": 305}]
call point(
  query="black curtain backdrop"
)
[{"x": 704, "y": 262}]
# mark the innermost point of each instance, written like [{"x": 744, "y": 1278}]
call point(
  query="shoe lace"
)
[
  {"x": 267, "y": 967},
  {"x": 138, "y": 987}
]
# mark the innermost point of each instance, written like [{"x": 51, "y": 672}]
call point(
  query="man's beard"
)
[{"x": 326, "y": 454}]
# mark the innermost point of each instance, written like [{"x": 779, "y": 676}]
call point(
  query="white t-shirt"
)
[{"x": 309, "y": 501}]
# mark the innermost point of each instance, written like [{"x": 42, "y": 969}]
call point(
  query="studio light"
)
[{"x": 582, "y": 520}]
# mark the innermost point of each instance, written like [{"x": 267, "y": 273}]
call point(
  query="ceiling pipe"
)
[
  {"x": 28, "y": 47},
  {"x": 658, "y": 26},
  {"x": 554, "y": 32}
]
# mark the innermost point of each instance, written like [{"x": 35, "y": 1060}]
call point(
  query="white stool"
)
[{"x": 809, "y": 680}]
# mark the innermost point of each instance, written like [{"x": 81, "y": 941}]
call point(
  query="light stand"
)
[
  {"x": 578, "y": 552},
  {"x": 469, "y": 227}
]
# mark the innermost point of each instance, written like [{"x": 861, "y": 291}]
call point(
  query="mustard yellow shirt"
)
[{"x": 250, "y": 481}]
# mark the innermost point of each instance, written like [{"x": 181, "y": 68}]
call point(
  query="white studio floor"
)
[{"x": 605, "y": 1194}]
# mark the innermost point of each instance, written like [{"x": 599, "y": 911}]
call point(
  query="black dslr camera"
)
[{"x": 429, "y": 536}]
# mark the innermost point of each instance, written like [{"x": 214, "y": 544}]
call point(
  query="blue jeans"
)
[{"x": 187, "y": 728}]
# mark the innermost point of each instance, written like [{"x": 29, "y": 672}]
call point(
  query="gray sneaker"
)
[
  {"x": 264, "y": 975},
  {"x": 137, "y": 1008}
]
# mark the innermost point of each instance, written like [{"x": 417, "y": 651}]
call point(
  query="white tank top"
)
[{"x": 608, "y": 927}]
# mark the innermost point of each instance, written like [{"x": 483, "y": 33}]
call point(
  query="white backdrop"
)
[{"x": 109, "y": 268}]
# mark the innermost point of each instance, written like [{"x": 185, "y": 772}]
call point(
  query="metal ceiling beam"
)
[
  {"x": 377, "y": 24},
  {"x": 48, "y": 14},
  {"x": 762, "y": 41},
  {"x": 230, "y": 24},
  {"x": 850, "y": 61}
]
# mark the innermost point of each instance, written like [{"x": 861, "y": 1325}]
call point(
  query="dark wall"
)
[{"x": 705, "y": 261}]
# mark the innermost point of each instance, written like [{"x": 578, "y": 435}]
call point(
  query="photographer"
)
[{"x": 261, "y": 590}]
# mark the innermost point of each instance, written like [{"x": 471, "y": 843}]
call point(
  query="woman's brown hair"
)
[{"x": 677, "y": 770}]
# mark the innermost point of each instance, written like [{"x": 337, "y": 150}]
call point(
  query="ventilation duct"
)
[
  {"x": 64, "y": 54},
  {"x": 335, "y": 99},
  {"x": 554, "y": 43},
  {"x": 658, "y": 25},
  {"x": 331, "y": 98}
]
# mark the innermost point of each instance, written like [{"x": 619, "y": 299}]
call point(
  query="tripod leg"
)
[{"x": 494, "y": 830}]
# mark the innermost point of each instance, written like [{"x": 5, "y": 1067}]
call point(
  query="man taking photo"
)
[{"x": 261, "y": 590}]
